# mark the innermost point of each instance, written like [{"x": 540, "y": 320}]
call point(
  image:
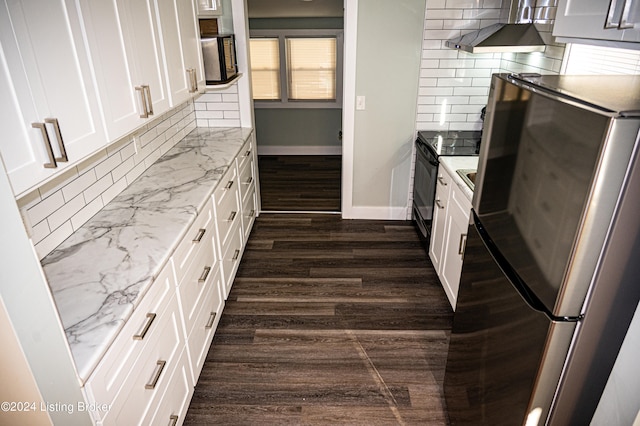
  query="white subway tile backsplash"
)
[
  {"x": 86, "y": 213},
  {"x": 78, "y": 185},
  {"x": 54, "y": 239},
  {"x": 95, "y": 190},
  {"x": 46, "y": 207},
  {"x": 106, "y": 166},
  {"x": 40, "y": 231},
  {"x": 60, "y": 216}
]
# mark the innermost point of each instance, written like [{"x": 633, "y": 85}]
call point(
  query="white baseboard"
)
[
  {"x": 377, "y": 213},
  {"x": 299, "y": 150}
]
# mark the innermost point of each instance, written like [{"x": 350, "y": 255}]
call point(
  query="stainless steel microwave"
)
[{"x": 219, "y": 55}]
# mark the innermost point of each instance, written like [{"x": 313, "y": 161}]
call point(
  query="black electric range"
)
[
  {"x": 430, "y": 146},
  {"x": 451, "y": 142}
]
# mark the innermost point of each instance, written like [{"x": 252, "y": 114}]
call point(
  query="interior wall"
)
[
  {"x": 297, "y": 131},
  {"x": 389, "y": 42}
]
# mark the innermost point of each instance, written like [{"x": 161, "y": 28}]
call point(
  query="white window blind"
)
[
  {"x": 311, "y": 68},
  {"x": 265, "y": 68}
]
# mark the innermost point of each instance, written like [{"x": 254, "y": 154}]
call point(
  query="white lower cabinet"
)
[
  {"x": 149, "y": 378},
  {"x": 449, "y": 233},
  {"x": 148, "y": 374}
]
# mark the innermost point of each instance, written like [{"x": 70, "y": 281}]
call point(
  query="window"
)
[
  {"x": 265, "y": 68},
  {"x": 296, "y": 68}
]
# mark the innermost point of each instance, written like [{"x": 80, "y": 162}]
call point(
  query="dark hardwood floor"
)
[
  {"x": 300, "y": 182},
  {"x": 329, "y": 321}
]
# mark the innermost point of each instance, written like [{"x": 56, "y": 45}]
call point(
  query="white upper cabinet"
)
[
  {"x": 49, "y": 104},
  {"x": 614, "y": 20},
  {"x": 181, "y": 48},
  {"x": 125, "y": 47}
]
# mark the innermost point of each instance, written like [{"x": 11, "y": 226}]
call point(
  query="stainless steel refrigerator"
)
[{"x": 551, "y": 272}]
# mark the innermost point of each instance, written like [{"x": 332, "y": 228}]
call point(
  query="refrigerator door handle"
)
[{"x": 532, "y": 300}]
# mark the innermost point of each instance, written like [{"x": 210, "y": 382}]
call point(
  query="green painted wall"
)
[{"x": 388, "y": 54}]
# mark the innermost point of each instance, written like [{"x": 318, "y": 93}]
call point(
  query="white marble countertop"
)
[
  {"x": 451, "y": 164},
  {"x": 99, "y": 273}
]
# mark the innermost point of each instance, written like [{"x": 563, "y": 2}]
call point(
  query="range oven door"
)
[{"x": 424, "y": 189}]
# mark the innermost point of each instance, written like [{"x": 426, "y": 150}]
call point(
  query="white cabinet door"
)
[
  {"x": 48, "y": 80},
  {"x": 438, "y": 229},
  {"x": 590, "y": 19},
  {"x": 126, "y": 55},
  {"x": 458, "y": 211},
  {"x": 177, "y": 25},
  {"x": 209, "y": 7}
]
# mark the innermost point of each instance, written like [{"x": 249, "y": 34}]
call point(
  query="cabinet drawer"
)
[
  {"x": 194, "y": 286},
  {"x": 205, "y": 325},
  {"x": 227, "y": 187},
  {"x": 248, "y": 214},
  {"x": 172, "y": 408},
  {"x": 245, "y": 154},
  {"x": 246, "y": 178},
  {"x": 106, "y": 381},
  {"x": 232, "y": 253},
  {"x": 227, "y": 214},
  {"x": 151, "y": 373},
  {"x": 199, "y": 234}
]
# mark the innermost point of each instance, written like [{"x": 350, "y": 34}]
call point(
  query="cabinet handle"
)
[
  {"x": 193, "y": 85},
  {"x": 143, "y": 102},
  {"x": 614, "y": 15},
  {"x": 47, "y": 144},
  {"x": 156, "y": 374},
  {"x": 439, "y": 204},
  {"x": 249, "y": 180},
  {"x": 145, "y": 328},
  {"x": 248, "y": 153},
  {"x": 205, "y": 274},
  {"x": 232, "y": 216},
  {"x": 212, "y": 318},
  {"x": 251, "y": 213},
  {"x": 173, "y": 420},
  {"x": 229, "y": 185},
  {"x": 630, "y": 15},
  {"x": 56, "y": 126},
  {"x": 461, "y": 246},
  {"x": 441, "y": 180},
  {"x": 199, "y": 236},
  {"x": 236, "y": 254},
  {"x": 147, "y": 92}
]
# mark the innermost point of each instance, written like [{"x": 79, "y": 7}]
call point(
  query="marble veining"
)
[{"x": 99, "y": 273}]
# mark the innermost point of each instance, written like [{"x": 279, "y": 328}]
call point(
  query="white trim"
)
[
  {"x": 349, "y": 105},
  {"x": 377, "y": 213},
  {"x": 299, "y": 150}
]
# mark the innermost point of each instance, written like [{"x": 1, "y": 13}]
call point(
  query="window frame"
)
[{"x": 284, "y": 101}]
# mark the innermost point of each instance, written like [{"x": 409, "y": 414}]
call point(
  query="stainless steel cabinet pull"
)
[
  {"x": 229, "y": 185},
  {"x": 173, "y": 420},
  {"x": 149, "y": 101},
  {"x": 614, "y": 16},
  {"x": 439, "y": 204},
  {"x": 248, "y": 153},
  {"x": 145, "y": 328},
  {"x": 143, "y": 102},
  {"x": 199, "y": 236},
  {"x": 205, "y": 274},
  {"x": 249, "y": 180},
  {"x": 56, "y": 127},
  {"x": 463, "y": 239},
  {"x": 236, "y": 254},
  {"x": 441, "y": 180},
  {"x": 252, "y": 213},
  {"x": 156, "y": 374},
  {"x": 47, "y": 144},
  {"x": 212, "y": 318},
  {"x": 193, "y": 82},
  {"x": 232, "y": 216},
  {"x": 630, "y": 15}
]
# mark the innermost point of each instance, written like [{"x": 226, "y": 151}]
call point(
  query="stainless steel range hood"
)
[
  {"x": 517, "y": 35},
  {"x": 500, "y": 38}
]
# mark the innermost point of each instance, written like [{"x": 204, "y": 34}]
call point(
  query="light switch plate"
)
[{"x": 360, "y": 103}]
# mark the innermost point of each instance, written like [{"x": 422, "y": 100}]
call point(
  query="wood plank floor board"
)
[{"x": 329, "y": 321}]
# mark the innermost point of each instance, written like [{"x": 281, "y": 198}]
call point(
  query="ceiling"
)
[{"x": 295, "y": 8}]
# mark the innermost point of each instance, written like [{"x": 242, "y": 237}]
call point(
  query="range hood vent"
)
[{"x": 498, "y": 38}]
